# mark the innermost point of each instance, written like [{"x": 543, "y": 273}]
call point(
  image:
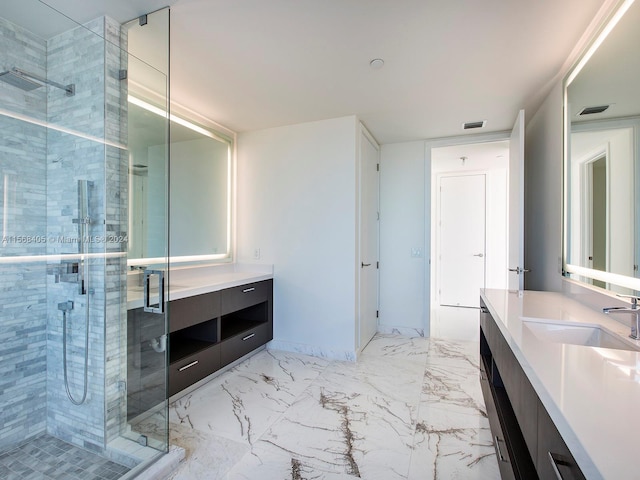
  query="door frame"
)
[{"x": 429, "y": 273}]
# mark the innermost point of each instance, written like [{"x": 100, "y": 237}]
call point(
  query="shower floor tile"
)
[{"x": 48, "y": 458}]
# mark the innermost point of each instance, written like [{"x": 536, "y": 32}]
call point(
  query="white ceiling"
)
[{"x": 253, "y": 64}]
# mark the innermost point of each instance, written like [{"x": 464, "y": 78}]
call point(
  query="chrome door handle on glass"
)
[
  {"x": 362, "y": 264},
  {"x": 479, "y": 255},
  {"x": 147, "y": 296}
]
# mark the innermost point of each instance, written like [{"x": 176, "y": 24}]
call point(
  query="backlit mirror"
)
[
  {"x": 602, "y": 109},
  {"x": 199, "y": 188},
  {"x": 200, "y": 164}
]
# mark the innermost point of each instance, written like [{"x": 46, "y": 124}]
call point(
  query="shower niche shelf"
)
[{"x": 206, "y": 333}]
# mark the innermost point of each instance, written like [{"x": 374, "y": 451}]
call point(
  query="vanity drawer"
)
[
  {"x": 237, "y": 298},
  {"x": 554, "y": 458},
  {"x": 192, "y": 310},
  {"x": 195, "y": 367},
  {"x": 241, "y": 344}
]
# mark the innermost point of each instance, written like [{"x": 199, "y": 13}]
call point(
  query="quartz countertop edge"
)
[
  {"x": 188, "y": 283},
  {"x": 594, "y": 436}
]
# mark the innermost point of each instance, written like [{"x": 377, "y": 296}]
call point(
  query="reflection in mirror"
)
[
  {"x": 200, "y": 169},
  {"x": 601, "y": 164}
]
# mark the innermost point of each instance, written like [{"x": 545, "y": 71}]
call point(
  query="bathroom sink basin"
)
[{"x": 579, "y": 334}]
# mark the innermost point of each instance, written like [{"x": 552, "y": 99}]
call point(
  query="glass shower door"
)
[{"x": 147, "y": 254}]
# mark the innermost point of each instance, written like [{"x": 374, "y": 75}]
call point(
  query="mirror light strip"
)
[
  {"x": 608, "y": 277},
  {"x": 57, "y": 257},
  {"x": 179, "y": 259},
  {"x": 600, "y": 38},
  {"x": 58, "y": 128},
  {"x": 181, "y": 121}
]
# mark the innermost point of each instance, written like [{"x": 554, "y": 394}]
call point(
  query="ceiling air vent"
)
[
  {"x": 470, "y": 125},
  {"x": 592, "y": 110}
]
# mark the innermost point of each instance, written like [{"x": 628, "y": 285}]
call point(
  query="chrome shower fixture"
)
[{"x": 30, "y": 81}]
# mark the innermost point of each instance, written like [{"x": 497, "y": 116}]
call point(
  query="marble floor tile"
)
[
  {"x": 410, "y": 408},
  {"x": 388, "y": 377},
  {"x": 452, "y": 445},
  {"x": 455, "y": 323},
  {"x": 267, "y": 461},
  {"x": 207, "y": 456},
  {"x": 453, "y": 387},
  {"x": 409, "y": 349},
  {"x": 347, "y": 433},
  {"x": 454, "y": 353},
  {"x": 286, "y": 365},
  {"x": 239, "y": 407}
]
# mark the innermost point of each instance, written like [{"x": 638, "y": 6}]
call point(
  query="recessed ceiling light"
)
[{"x": 376, "y": 63}]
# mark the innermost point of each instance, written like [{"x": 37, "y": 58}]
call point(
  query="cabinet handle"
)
[
  {"x": 499, "y": 451},
  {"x": 556, "y": 460},
  {"x": 248, "y": 337},
  {"x": 188, "y": 366},
  {"x": 247, "y": 290}
]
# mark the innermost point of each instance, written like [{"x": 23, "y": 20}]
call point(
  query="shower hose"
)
[{"x": 86, "y": 355}]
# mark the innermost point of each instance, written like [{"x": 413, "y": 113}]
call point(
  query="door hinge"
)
[
  {"x": 377, "y": 167},
  {"x": 377, "y": 313},
  {"x": 377, "y": 265}
]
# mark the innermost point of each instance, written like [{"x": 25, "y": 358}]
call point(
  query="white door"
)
[
  {"x": 369, "y": 199},
  {"x": 462, "y": 239},
  {"x": 516, "y": 206}
]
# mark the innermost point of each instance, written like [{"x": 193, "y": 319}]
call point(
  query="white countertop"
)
[
  {"x": 592, "y": 394},
  {"x": 189, "y": 281}
]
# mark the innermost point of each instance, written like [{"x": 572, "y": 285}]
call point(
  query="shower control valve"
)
[{"x": 66, "y": 306}]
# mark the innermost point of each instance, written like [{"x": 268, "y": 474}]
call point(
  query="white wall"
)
[
  {"x": 543, "y": 195},
  {"x": 296, "y": 203},
  {"x": 404, "y": 287}
]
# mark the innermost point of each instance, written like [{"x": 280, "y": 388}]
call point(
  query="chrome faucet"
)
[{"x": 633, "y": 310}]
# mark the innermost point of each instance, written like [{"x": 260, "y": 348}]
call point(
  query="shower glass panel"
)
[{"x": 65, "y": 342}]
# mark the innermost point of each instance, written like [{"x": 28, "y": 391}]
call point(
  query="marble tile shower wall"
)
[
  {"x": 23, "y": 307},
  {"x": 81, "y": 57}
]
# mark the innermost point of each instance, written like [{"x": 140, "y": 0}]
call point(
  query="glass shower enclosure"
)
[{"x": 65, "y": 346}]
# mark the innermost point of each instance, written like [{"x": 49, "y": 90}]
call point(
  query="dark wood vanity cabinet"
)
[
  {"x": 206, "y": 333},
  {"x": 212, "y": 330},
  {"x": 528, "y": 445}
]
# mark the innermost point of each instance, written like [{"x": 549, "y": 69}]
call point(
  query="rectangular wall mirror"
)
[
  {"x": 602, "y": 131},
  {"x": 200, "y": 169}
]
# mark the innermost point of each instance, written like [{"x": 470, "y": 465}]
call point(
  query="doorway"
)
[{"x": 469, "y": 245}]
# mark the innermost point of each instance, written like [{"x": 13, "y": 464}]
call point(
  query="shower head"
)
[
  {"x": 30, "y": 81},
  {"x": 12, "y": 78}
]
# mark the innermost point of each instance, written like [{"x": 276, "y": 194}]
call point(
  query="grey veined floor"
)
[
  {"x": 48, "y": 458},
  {"x": 409, "y": 408}
]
